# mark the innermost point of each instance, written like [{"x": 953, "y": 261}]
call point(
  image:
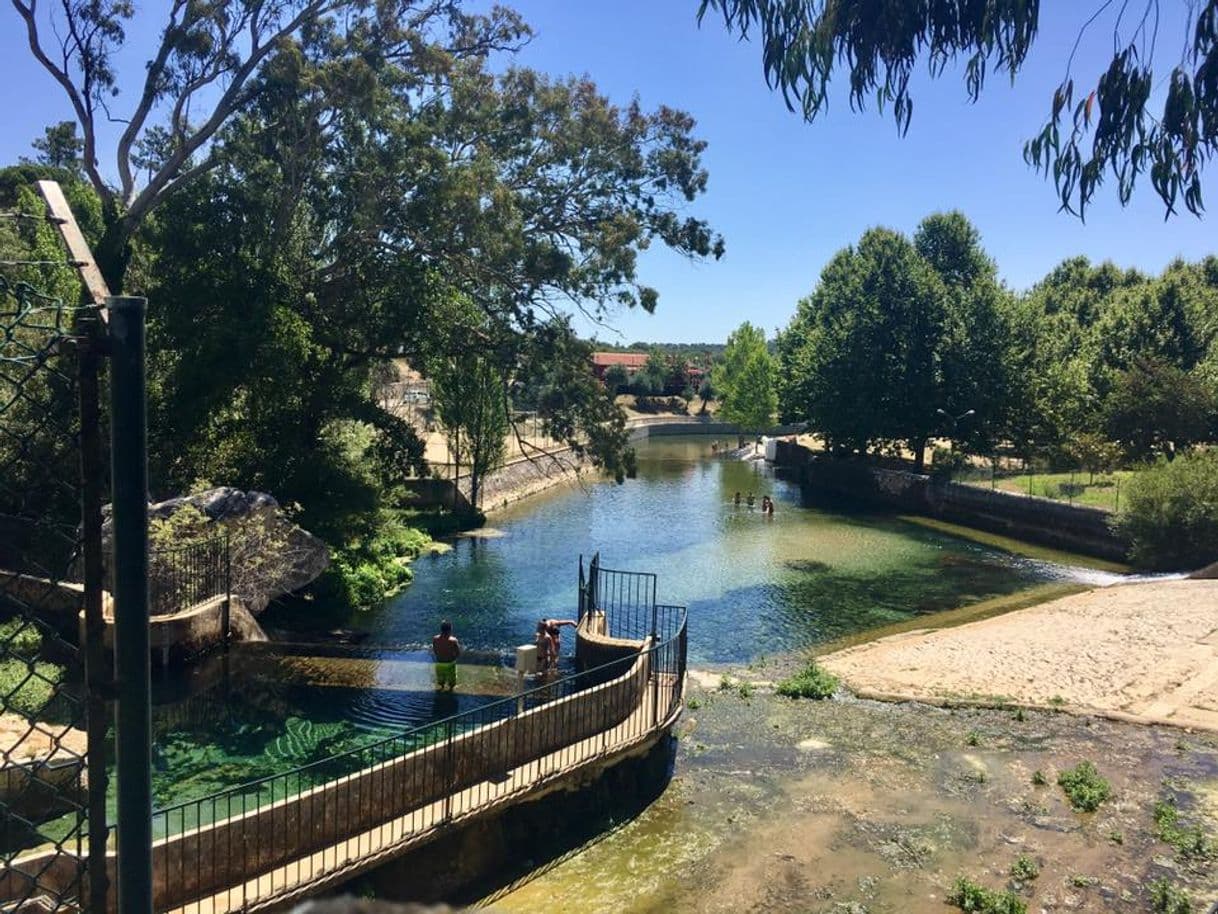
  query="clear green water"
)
[{"x": 753, "y": 585}]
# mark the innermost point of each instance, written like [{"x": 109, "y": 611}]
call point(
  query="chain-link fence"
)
[{"x": 44, "y": 703}]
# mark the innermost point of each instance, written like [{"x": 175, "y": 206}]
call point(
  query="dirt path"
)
[{"x": 1142, "y": 651}]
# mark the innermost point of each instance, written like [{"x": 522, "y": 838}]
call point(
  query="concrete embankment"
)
[{"x": 1040, "y": 520}]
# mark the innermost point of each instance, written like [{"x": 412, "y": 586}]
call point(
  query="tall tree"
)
[
  {"x": 1117, "y": 128},
  {"x": 470, "y": 396},
  {"x": 975, "y": 366},
  {"x": 205, "y": 69},
  {"x": 59, "y": 147},
  {"x": 863, "y": 352},
  {"x": 745, "y": 380}
]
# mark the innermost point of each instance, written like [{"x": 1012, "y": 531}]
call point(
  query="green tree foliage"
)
[
  {"x": 1158, "y": 408},
  {"x": 1169, "y": 513},
  {"x": 617, "y": 379},
  {"x": 470, "y": 397},
  {"x": 211, "y": 61},
  {"x": 887, "y": 340},
  {"x": 1115, "y": 130},
  {"x": 745, "y": 380},
  {"x": 59, "y": 147}
]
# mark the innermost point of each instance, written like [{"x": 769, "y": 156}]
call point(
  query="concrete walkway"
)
[
  {"x": 340, "y": 862},
  {"x": 1145, "y": 652}
]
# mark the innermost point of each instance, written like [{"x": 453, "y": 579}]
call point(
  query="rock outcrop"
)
[{"x": 270, "y": 555}]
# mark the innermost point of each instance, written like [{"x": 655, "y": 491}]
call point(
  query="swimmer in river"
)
[
  {"x": 737, "y": 500},
  {"x": 750, "y": 500}
]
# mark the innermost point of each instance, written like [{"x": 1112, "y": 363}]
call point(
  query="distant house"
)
[{"x": 631, "y": 361}]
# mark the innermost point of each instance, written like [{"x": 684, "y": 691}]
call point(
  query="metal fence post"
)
[
  {"x": 129, "y": 455},
  {"x": 91, "y": 477}
]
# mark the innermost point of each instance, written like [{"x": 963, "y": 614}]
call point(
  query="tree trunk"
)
[
  {"x": 113, "y": 252},
  {"x": 919, "y": 449}
]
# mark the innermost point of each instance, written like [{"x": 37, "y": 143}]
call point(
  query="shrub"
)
[
  {"x": 1165, "y": 898},
  {"x": 367, "y": 571},
  {"x": 977, "y": 899},
  {"x": 1038, "y": 778},
  {"x": 946, "y": 463},
  {"x": 1169, "y": 513},
  {"x": 1084, "y": 787},
  {"x": 811, "y": 682},
  {"x": 1190, "y": 841},
  {"x": 1024, "y": 868}
]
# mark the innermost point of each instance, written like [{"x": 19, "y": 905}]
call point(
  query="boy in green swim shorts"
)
[{"x": 446, "y": 649}]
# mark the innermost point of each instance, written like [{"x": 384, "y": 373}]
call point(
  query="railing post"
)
[
  {"x": 129, "y": 472},
  {"x": 226, "y": 616},
  {"x": 452, "y": 774},
  {"x": 91, "y": 475}
]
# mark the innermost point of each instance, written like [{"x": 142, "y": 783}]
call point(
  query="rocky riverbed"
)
[{"x": 860, "y": 807}]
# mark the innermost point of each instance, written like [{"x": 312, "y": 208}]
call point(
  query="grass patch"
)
[
  {"x": 811, "y": 682},
  {"x": 977, "y": 899},
  {"x": 1165, "y": 898},
  {"x": 1024, "y": 868},
  {"x": 1189, "y": 841},
  {"x": 1039, "y": 779},
  {"x": 725, "y": 683},
  {"x": 1084, "y": 787},
  {"x": 693, "y": 704},
  {"x": 973, "y": 738},
  {"x": 745, "y": 690}
]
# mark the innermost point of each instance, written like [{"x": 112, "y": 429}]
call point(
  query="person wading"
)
[{"x": 446, "y": 649}]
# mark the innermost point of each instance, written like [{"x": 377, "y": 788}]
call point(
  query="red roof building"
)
[{"x": 631, "y": 361}]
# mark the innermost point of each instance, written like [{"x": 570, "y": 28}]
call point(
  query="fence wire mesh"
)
[{"x": 43, "y": 711}]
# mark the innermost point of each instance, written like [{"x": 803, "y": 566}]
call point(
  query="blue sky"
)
[{"x": 786, "y": 195}]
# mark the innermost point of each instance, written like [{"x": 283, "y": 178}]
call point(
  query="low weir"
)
[{"x": 269, "y": 842}]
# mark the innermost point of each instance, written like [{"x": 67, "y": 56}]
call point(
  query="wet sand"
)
[{"x": 1143, "y": 652}]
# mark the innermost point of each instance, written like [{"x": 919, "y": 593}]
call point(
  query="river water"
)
[{"x": 754, "y": 585}]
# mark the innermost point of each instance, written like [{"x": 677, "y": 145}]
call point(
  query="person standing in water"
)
[
  {"x": 750, "y": 500},
  {"x": 446, "y": 649},
  {"x": 553, "y": 627},
  {"x": 737, "y": 501}
]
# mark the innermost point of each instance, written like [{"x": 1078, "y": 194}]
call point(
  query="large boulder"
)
[{"x": 270, "y": 556}]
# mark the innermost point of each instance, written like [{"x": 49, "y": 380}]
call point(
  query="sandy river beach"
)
[{"x": 1146, "y": 651}]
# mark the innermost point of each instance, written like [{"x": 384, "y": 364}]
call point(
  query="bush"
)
[
  {"x": 1165, "y": 898},
  {"x": 1084, "y": 787},
  {"x": 1024, "y": 868},
  {"x": 946, "y": 463},
  {"x": 366, "y": 572},
  {"x": 1169, "y": 513},
  {"x": 811, "y": 682},
  {"x": 977, "y": 899},
  {"x": 1190, "y": 841}
]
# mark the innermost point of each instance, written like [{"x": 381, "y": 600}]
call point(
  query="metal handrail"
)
[
  {"x": 406, "y": 784},
  {"x": 180, "y": 577},
  {"x": 530, "y": 698}
]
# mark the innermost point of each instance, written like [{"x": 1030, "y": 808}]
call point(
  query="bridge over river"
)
[{"x": 269, "y": 842}]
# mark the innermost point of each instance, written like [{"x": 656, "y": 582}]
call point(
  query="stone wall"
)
[{"x": 1041, "y": 520}]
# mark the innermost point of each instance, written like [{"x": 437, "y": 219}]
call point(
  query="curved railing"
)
[{"x": 284, "y": 835}]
